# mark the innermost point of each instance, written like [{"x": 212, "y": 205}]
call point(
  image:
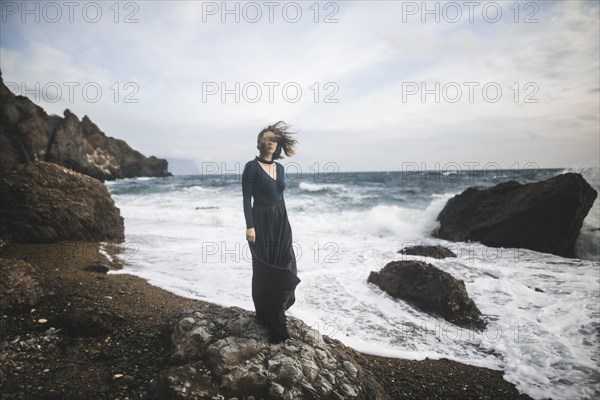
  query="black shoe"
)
[
  {"x": 278, "y": 332},
  {"x": 277, "y": 335}
]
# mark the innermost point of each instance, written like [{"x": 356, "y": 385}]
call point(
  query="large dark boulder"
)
[
  {"x": 543, "y": 216},
  {"x": 43, "y": 203},
  {"x": 429, "y": 289},
  {"x": 28, "y": 134}
]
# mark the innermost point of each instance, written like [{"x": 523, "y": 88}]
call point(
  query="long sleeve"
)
[{"x": 249, "y": 177}]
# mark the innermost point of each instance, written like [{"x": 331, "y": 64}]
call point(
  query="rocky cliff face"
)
[
  {"x": 45, "y": 203},
  {"x": 28, "y": 134}
]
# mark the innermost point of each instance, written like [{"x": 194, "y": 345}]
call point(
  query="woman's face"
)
[{"x": 268, "y": 143}]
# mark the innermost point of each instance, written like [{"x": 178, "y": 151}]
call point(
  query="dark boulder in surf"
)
[
  {"x": 437, "y": 252},
  {"x": 429, "y": 289},
  {"x": 543, "y": 216}
]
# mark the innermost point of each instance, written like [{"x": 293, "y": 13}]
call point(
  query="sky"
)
[{"x": 365, "y": 85}]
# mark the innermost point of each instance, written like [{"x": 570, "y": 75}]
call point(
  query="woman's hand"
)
[{"x": 250, "y": 235}]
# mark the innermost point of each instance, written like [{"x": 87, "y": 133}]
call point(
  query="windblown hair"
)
[{"x": 284, "y": 141}]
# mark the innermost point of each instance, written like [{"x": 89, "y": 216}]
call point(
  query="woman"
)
[{"x": 268, "y": 231}]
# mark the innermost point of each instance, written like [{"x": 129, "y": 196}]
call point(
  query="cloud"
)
[{"x": 365, "y": 61}]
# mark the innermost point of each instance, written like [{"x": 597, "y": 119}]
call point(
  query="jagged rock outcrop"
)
[
  {"x": 430, "y": 289},
  {"x": 43, "y": 202},
  {"x": 437, "y": 251},
  {"x": 225, "y": 351},
  {"x": 543, "y": 216},
  {"x": 23, "y": 285},
  {"x": 28, "y": 134}
]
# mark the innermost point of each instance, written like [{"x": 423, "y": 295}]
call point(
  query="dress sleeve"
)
[
  {"x": 282, "y": 172},
  {"x": 249, "y": 177}
]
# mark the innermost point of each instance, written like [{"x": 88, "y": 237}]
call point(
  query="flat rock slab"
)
[{"x": 438, "y": 252}]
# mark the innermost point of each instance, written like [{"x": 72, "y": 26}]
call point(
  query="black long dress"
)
[{"x": 274, "y": 270}]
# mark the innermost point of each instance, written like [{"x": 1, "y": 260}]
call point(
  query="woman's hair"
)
[{"x": 284, "y": 141}]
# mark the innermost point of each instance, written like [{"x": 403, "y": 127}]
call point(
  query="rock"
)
[
  {"x": 231, "y": 356},
  {"x": 188, "y": 381},
  {"x": 437, "y": 252},
  {"x": 52, "y": 395},
  {"x": 23, "y": 285},
  {"x": 543, "y": 216},
  {"x": 429, "y": 289},
  {"x": 100, "y": 267},
  {"x": 186, "y": 323},
  {"x": 86, "y": 322},
  {"x": 350, "y": 368},
  {"x": 28, "y": 134},
  {"x": 44, "y": 203}
]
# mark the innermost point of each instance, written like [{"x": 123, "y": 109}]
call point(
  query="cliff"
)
[{"x": 28, "y": 134}]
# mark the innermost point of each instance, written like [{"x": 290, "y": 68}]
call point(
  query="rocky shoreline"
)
[
  {"x": 69, "y": 330},
  {"x": 106, "y": 336}
]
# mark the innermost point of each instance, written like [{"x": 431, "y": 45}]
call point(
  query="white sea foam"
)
[
  {"x": 587, "y": 245},
  {"x": 316, "y": 187}
]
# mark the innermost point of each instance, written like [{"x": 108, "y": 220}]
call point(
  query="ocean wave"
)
[
  {"x": 319, "y": 187},
  {"x": 587, "y": 244}
]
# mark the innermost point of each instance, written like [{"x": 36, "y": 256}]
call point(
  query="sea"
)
[{"x": 186, "y": 234}]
